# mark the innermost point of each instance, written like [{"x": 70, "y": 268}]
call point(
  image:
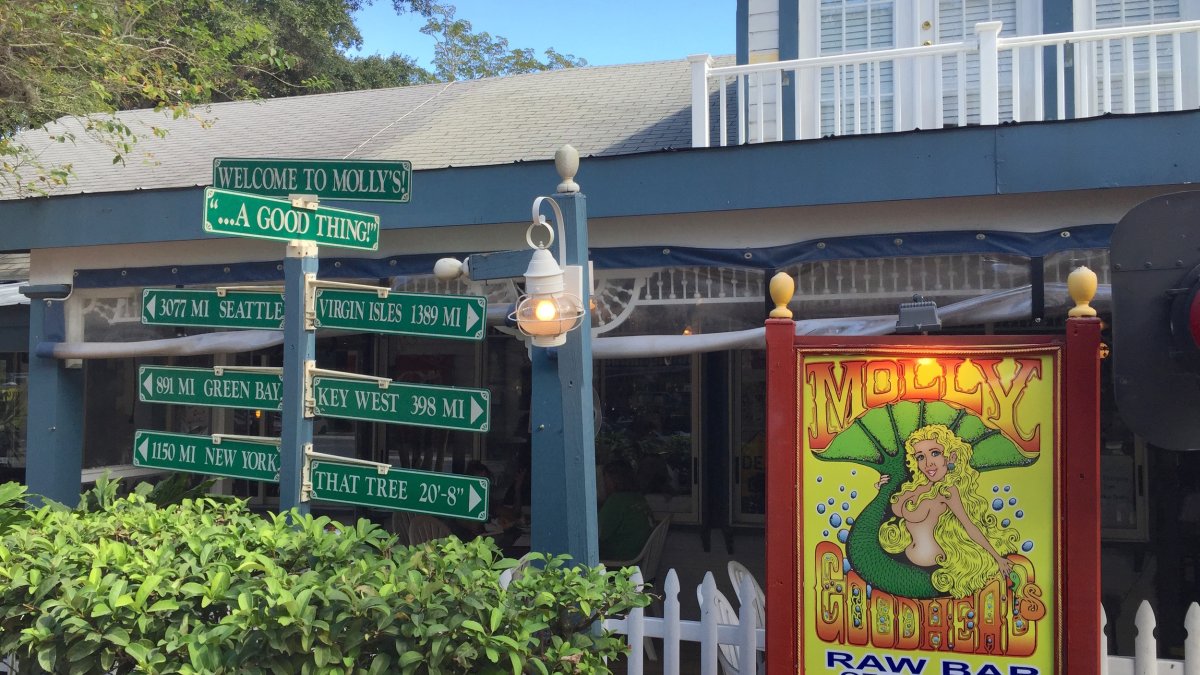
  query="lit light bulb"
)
[{"x": 545, "y": 310}]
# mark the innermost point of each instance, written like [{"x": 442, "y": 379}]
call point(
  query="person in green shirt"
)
[{"x": 625, "y": 519}]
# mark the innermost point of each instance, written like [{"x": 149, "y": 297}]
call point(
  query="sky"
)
[{"x": 603, "y": 32}]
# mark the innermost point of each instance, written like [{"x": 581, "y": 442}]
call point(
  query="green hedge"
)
[{"x": 201, "y": 586}]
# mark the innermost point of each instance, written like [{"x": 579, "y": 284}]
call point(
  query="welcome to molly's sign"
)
[{"x": 923, "y": 508}]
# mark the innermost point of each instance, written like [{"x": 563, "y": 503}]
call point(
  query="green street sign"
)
[
  {"x": 366, "y": 180},
  {"x": 460, "y": 317},
  {"x": 212, "y": 455},
  {"x": 438, "y": 494},
  {"x": 246, "y": 215},
  {"x": 235, "y": 309},
  {"x": 398, "y": 403},
  {"x": 255, "y": 390}
]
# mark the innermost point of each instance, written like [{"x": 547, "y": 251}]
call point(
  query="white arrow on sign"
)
[
  {"x": 472, "y": 317},
  {"x": 150, "y": 297},
  {"x": 149, "y": 383},
  {"x": 476, "y": 411},
  {"x": 473, "y": 500},
  {"x": 142, "y": 448}
]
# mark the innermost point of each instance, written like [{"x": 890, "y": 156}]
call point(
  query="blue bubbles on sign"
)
[
  {"x": 1027, "y": 546},
  {"x": 830, "y": 502},
  {"x": 853, "y": 472},
  {"x": 845, "y": 506},
  {"x": 1006, "y": 522},
  {"x": 846, "y": 565},
  {"x": 997, "y": 504},
  {"x": 1008, "y": 488},
  {"x": 835, "y": 520},
  {"x": 1020, "y": 514},
  {"x": 843, "y": 535},
  {"x": 1012, "y": 501},
  {"x": 841, "y": 488},
  {"x": 821, "y": 508},
  {"x": 825, "y": 533},
  {"x": 995, "y": 488},
  {"x": 849, "y": 520},
  {"x": 854, "y": 494},
  {"x": 820, "y": 478}
]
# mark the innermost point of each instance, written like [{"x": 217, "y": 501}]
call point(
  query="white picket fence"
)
[{"x": 738, "y": 646}]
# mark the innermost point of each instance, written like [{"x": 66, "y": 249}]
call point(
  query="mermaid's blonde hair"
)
[{"x": 964, "y": 566}]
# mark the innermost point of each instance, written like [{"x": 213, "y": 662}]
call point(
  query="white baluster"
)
[
  {"x": 1145, "y": 647},
  {"x": 747, "y": 622},
  {"x": 671, "y": 629},
  {"x": 636, "y": 631},
  {"x": 989, "y": 72},
  {"x": 1103, "y": 641},
  {"x": 1191, "y": 644},
  {"x": 1129, "y": 88},
  {"x": 708, "y": 625},
  {"x": 700, "y": 65}
]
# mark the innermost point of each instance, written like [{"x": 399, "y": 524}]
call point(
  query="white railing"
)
[
  {"x": 740, "y": 644},
  {"x": 1133, "y": 69}
]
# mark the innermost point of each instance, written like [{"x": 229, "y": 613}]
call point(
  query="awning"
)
[{"x": 1010, "y": 305}]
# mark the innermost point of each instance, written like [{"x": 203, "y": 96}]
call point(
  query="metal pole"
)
[{"x": 299, "y": 347}]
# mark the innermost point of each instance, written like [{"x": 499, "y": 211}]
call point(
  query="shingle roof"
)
[{"x": 605, "y": 110}]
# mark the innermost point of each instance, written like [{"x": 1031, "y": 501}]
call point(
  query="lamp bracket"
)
[{"x": 540, "y": 220}]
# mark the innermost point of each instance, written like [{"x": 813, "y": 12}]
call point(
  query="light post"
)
[{"x": 552, "y": 315}]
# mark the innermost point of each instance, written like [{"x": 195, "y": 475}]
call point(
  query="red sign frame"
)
[{"x": 1076, "y": 484}]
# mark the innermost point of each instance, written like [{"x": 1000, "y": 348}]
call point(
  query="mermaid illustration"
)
[
  {"x": 940, "y": 521},
  {"x": 927, "y": 532}
]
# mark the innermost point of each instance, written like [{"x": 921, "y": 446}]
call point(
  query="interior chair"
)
[
  {"x": 647, "y": 559},
  {"x": 423, "y": 528},
  {"x": 727, "y": 655}
]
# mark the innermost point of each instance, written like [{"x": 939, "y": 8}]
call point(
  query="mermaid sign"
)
[{"x": 927, "y": 509}]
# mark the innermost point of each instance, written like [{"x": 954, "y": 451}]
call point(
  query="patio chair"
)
[
  {"x": 423, "y": 528},
  {"x": 737, "y": 572},
  {"x": 727, "y": 655}
]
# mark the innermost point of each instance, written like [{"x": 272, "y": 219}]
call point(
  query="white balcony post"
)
[
  {"x": 700, "y": 65},
  {"x": 989, "y": 71}
]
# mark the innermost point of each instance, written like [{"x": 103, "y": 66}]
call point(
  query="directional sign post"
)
[
  {"x": 439, "y": 494},
  {"x": 211, "y": 308},
  {"x": 398, "y": 403},
  {"x": 259, "y": 389},
  {"x": 461, "y": 317},
  {"x": 247, "y": 215},
  {"x": 213, "y": 455},
  {"x": 367, "y": 180}
]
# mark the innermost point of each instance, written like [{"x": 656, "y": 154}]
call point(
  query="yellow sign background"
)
[{"x": 865, "y": 610}]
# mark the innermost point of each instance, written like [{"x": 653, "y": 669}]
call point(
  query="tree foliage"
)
[{"x": 462, "y": 54}]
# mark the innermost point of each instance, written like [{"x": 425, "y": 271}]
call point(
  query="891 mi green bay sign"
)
[
  {"x": 398, "y": 403},
  {"x": 210, "y": 308},
  {"x": 460, "y": 317},
  {"x": 212, "y": 455},
  {"x": 439, "y": 494},
  {"x": 247, "y": 215},
  {"x": 381, "y": 181},
  {"x": 225, "y": 387}
]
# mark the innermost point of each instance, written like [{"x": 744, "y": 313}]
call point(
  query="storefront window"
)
[
  {"x": 749, "y": 436},
  {"x": 14, "y": 371},
  {"x": 649, "y": 421}
]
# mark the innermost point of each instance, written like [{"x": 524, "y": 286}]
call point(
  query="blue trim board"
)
[
  {"x": 632, "y": 257},
  {"x": 1039, "y": 157},
  {"x": 743, "y": 31}
]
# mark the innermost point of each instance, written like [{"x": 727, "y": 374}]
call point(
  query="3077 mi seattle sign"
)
[{"x": 246, "y": 215}]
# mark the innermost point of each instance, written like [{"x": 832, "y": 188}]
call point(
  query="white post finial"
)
[{"x": 566, "y": 161}]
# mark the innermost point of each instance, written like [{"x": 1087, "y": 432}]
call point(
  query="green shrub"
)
[{"x": 202, "y": 586}]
